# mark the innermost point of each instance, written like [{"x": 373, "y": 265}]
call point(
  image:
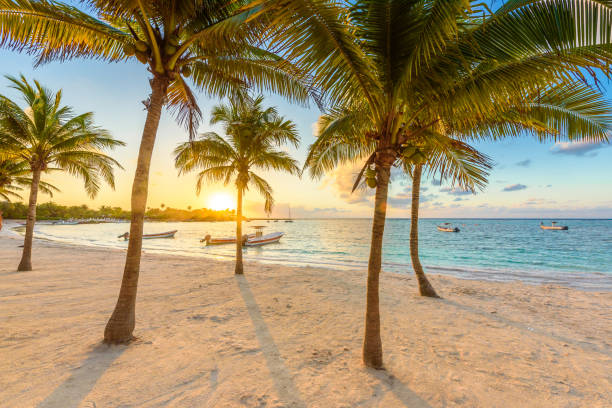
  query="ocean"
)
[{"x": 489, "y": 249}]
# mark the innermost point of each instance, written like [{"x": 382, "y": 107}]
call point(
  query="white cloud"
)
[
  {"x": 576, "y": 148},
  {"x": 515, "y": 187}
]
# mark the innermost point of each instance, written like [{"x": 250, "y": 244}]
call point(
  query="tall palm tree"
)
[
  {"x": 253, "y": 137},
  {"x": 568, "y": 112},
  {"x": 448, "y": 158},
  {"x": 205, "y": 42},
  {"x": 391, "y": 69},
  {"x": 50, "y": 137}
]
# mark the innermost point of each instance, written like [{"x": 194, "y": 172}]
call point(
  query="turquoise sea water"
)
[{"x": 492, "y": 249}]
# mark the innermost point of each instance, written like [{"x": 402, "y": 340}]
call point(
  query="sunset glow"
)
[{"x": 220, "y": 201}]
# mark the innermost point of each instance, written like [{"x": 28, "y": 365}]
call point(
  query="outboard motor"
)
[
  {"x": 206, "y": 238},
  {"x": 245, "y": 238}
]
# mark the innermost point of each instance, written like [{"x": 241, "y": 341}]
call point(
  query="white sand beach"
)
[{"x": 289, "y": 337}]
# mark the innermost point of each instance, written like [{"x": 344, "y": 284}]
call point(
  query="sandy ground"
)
[{"x": 290, "y": 337}]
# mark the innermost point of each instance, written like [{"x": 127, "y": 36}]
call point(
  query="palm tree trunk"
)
[
  {"x": 425, "y": 288},
  {"x": 26, "y": 256},
  {"x": 239, "y": 270},
  {"x": 123, "y": 320},
  {"x": 372, "y": 344}
]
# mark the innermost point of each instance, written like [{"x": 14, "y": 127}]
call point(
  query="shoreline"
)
[
  {"x": 591, "y": 281},
  {"x": 290, "y": 337}
]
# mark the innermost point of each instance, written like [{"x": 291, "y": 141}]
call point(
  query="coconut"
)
[
  {"x": 173, "y": 41},
  {"x": 129, "y": 49},
  {"x": 186, "y": 71},
  {"x": 371, "y": 182},
  {"x": 409, "y": 151},
  {"x": 169, "y": 49},
  {"x": 418, "y": 157},
  {"x": 141, "y": 46}
]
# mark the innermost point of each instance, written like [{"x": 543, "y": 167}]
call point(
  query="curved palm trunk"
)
[
  {"x": 425, "y": 288},
  {"x": 26, "y": 257},
  {"x": 123, "y": 320},
  {"x": 372, "y": 344},
  {"x": 239, "y": 270}
]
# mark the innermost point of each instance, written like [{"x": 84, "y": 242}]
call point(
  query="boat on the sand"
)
[
  {"x": 554, "y": 226},
  {"x": 447, "y": 227},
  {"x": 167, "y": 234}
]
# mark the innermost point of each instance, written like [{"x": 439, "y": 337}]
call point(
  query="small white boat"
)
[
  {"x": 66, "y": 222},
  {"x": 446, "y": 227},
  {"x": 221, "y": 241},
  {"x": 259, "y": 239},
  {"x": 264, "y": 239},
  {"x": 554, "y": 226},
  {"x": 167, "y": 234}
]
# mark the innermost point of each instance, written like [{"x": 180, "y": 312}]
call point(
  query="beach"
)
[{"x": 283, "y": 336}]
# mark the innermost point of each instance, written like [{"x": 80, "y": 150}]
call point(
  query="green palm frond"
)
[
  {"x": 56, "y": 31},
  {"x": 317, "y": 39},
  {"x": 341, "y": 139},
  {"x": 264, "y": 189},
  {"x": 210, "y": 45}
]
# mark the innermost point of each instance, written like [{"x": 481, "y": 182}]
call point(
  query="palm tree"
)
[
  {"x": 50, "y": 137},
  {"x": 253, "y": 136},
  {"x": 568, "y": 112},
  {"x": 448, "y": 158},
  {"x": 392, "y": 69},
  {"x": 205, "y": 42}
]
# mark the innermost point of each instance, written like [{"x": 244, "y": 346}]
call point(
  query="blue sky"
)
[{"x": 529, "y": 179}]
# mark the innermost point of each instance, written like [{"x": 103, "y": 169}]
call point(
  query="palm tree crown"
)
[
  {"x": 253, "y": 137},
  {"x": 50, "y": 137}
]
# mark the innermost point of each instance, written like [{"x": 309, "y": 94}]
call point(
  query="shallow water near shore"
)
[{"x": 488, "y": 249}]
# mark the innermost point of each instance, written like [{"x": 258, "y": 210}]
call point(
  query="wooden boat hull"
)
[
  {"x": 223, "y": 241},
  {"x": 264, "y": 240},
  {"x": 167, "y": 234},
  {"x": 444, "y": 229},
  {"x": 555, "y": 228}
]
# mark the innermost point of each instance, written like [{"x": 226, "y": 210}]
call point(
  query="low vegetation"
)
[{"x": 52, "y": 211}]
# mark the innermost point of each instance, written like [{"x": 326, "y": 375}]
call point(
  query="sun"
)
[{"x": 220, "y": 201}]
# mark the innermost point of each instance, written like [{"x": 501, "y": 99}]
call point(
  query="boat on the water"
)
[
  {"x": 167, "y": 234},
  {"x": 447, "y": 227},
  {"x": 289, "y": 219},
  {"x": 259, "y": 239},
  {"x": 554, "y": 226},
  {"x": 66, "y": 222},
  {"x": 221, "y": 241}
]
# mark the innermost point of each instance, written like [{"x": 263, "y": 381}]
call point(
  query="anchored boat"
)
[
  {"x": 446, "y": 227},
  {"x": 259, "y": 239},
  {"x": 221, "y": 241},
  {"x": 167, "y": 234},
  {"x": 554, "y": 226}
]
